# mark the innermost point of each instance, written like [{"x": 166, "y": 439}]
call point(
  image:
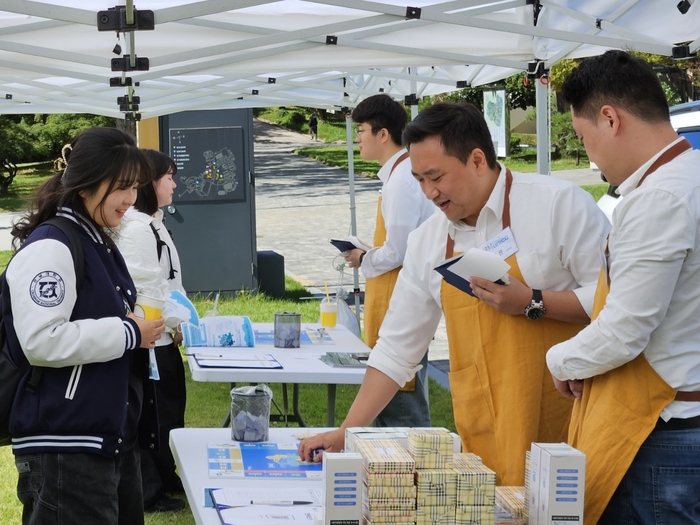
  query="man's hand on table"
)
[{"x": 311, "y": 449}]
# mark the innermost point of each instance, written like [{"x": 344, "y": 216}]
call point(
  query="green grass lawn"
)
[
  {"x": 208, "y": 403},
  {"x": 22, "y": 189}
]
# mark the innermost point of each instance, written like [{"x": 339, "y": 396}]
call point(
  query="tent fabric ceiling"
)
[{"x": 211, "y": 54}]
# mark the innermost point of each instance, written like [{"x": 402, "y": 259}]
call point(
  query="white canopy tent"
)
[
  {"x": 214, "y": 54},
  {"x": 325, "y": 53}
]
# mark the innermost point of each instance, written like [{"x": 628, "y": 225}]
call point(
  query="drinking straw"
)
[{"x": 328, "y": 295}]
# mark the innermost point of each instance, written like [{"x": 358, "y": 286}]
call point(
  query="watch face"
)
[{"x": 535, "y": 312}]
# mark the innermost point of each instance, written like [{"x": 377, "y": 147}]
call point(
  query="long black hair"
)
[
  {"x": 97, "y": 155},
  {"x": 146, "y": 198}
]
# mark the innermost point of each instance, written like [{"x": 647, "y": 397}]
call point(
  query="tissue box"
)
[
  {"x": 353, "y": 434},
  {"x": 436, "y": 487},
  {"x": 476, "y": 484},
  {"x": 441, "y": 515},
  {"x": 512, "y": 499},
  {"x": 431, "y": 448},
  {"x": 383, "y": 492},
  {"x": 388, "y": 480},
  {"x": 385, "y": 456},
  {"x": 474, "y": 515}
]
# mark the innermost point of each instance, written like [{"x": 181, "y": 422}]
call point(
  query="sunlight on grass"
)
[{"x": 22, "y": 189}]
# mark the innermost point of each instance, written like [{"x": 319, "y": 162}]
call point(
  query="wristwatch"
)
[{"x": 535, "y": 310}]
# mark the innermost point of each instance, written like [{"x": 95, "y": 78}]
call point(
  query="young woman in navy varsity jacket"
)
[{"x": 76, "y": 437}]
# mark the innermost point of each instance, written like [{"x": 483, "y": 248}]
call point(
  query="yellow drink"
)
[{"x": 328, "y": 319}]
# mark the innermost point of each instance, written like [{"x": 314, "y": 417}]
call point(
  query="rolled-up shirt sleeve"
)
[{"x": 410, "y": 322}]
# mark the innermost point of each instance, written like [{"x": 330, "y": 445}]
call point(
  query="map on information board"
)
[
  {"x": 209, "y": 164},
  {"x": 260, "y": 460}
]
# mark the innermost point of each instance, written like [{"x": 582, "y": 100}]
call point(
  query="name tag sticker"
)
[{"x": 503, "y": 244}]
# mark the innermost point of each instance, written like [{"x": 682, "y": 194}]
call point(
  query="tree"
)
[
  {"x": 6, "y": 180},
  {"x": 517, "y": 93},
  {"x": 564, "y": 139}
]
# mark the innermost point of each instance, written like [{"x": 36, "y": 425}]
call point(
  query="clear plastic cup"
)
[{"x": 329, "y": 313}]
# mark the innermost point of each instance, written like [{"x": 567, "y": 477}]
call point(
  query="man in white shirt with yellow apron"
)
[
  {"x": 502, "y": 392},
  {"x": 637, "y": 413},
  {"x": 402, "y": 207}
]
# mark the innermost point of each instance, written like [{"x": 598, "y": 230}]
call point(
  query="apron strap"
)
[
  {"x": 403, "y": 157},
  {"x": 505, "y": 219},
  {"x": 667, "y": 156}
]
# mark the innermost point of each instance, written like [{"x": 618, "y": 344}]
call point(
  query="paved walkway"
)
[{"x": 301, "y": 203}]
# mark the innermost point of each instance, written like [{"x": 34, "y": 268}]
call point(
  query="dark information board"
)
[{"x": 209, "y": 164}]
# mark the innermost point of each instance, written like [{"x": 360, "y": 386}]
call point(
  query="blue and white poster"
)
[{"x": 495, "y": 115}]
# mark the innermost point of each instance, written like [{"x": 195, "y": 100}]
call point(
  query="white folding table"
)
[
  {"x": 299, "y": 365},
  {"x": 189, "y": 446}
]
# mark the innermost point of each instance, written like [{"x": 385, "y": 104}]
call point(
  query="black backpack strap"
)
[{"x": 160, "y": 243}]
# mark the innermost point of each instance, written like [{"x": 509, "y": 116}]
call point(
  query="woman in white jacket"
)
[{"x": 154, "y": 264}]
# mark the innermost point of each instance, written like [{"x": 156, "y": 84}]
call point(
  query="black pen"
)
[{"x": 284, "y": 503}]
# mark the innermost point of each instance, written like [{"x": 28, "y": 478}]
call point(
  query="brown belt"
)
[{"x": 688, "y": 396}]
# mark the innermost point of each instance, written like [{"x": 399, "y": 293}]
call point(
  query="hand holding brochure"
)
[
  {"x": 473, "y": 263},
  {"x": 219, "y": 331},
  {"x": 350, "y": 243},
  {"x": 178, "y": 306}
]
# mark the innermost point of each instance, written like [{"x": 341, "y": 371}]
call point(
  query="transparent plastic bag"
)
[
  {"x": 346, "y": 317},
  {"x": 250, "y": 413}
]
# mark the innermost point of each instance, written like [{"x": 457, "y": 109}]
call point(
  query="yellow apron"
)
[
  {"x": 378, "y": 289},
  {"x": 502, "y": 392},
  {"x": 617, "y": 410}
]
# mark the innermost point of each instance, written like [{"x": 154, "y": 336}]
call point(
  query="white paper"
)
[
  {"x": 239, "y": 497},
  {"x": 236, "y": 359},
  {"x": 478, "y": 263},
  {"x": 269, "y": 515}
]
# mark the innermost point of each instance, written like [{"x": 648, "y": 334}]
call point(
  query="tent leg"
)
[
  {"x": 542, "y": 110},
  {"x": 353, "y": 208}
]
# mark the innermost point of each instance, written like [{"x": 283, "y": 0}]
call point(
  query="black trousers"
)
[{"x": 158, "y": 468}]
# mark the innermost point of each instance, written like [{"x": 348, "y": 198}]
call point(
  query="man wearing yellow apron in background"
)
[
  {"x": 552, "y": 235},
  {"x": 637, "y": 413},
  {"x": 401, "y": 209}
]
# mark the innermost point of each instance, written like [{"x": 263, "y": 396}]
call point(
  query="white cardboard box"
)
[
  {"x": 342, "y": 473},
  {"x": 561, "y": 490}
]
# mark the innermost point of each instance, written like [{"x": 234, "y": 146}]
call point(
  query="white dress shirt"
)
[
  {"x": 560, "y": 233},
  {"x": 654, "y": 300},
  {"x": 137, "y": 244},
  {"x": 404, "y": 208}
]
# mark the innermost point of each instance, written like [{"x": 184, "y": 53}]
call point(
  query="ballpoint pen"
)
[{"x": 283, "y": 503}]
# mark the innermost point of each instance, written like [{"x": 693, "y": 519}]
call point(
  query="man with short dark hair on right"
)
[{"x": 637, "y": 413}]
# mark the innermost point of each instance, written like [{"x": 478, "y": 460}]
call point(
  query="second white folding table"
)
[{"x": 299, "y": 365}]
